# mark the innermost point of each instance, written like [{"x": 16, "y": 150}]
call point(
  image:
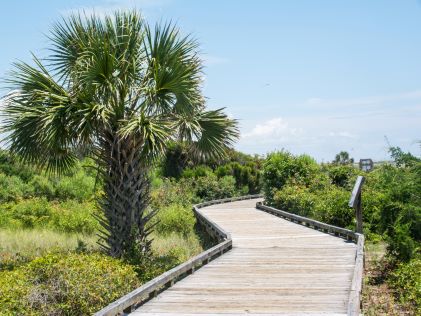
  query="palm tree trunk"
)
[{"x": 126, "y": 196}]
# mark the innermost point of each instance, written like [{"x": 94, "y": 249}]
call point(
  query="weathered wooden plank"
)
[
  {"x": 276, "y": 266},
  {"x": 170, "y": 277}
]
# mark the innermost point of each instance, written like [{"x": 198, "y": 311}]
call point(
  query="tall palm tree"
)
[{"x": 122, "y": 90}]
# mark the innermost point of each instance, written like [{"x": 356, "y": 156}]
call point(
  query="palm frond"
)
[
  {"x": 36, "y": 120},
  {"x": 152, "y": 132},
  {"x": 209, "y": 132},
  {"x": 173, "y": 76}
]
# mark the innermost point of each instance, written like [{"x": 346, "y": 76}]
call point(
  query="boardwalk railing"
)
[
  {"x": 132, "y": 300},
  {"x": 354, "y": 301}
]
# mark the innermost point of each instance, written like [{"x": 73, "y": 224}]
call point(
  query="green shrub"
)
[
  {"x": 175, "y": 219},
  {"x": 68, "y": 216},
  {"x": 197, "y": 172},
  {"x": 329, "y": 206},
  {"x": 400, "y": 243},
  {"x": 296, "y": 199},
  {"x": 43, "y": 187},
  {"x": 211, "y": 188},
  {"x": 74, "y": 217},
  {"x": 342, "y": 175},
  {"x": 65, "y": 284},
  {"x": 247, "y": 177},
  {"x": 173, "y": 192},
  {"x": 177, "y": 158},
  {"x": 13, "y": 188},
  {"x": 78, "y": 186},
  {"x": 11, "y": 166},
  {"x": 333, "y": 207},
  {"x": 36, "y": 212},
  {"x": 373, "y": 204},
  {"x": 282, "y": 166},
  {"x": 406, "y": 280}
]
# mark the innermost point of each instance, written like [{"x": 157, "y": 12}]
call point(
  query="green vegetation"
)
[
  {"x": 406, "y": 279},
  {"x": 119, "y": 91},
  {"x": 391, "y": 205},
  {"x": 49, "y": 217},
  {"x": 48, "y": 229},
  {"x": 66, "y": 284}
]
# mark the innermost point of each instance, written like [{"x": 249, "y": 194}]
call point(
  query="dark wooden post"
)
[{"x": 355, "y": 202}]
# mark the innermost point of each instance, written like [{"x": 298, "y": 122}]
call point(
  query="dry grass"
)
[
  {"x": 22, "y": 245},
  {"x": 175, "y": 244},
  {"x": 378, "y": 297}
]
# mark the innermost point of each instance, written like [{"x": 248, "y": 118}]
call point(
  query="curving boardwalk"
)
[{"x": 276, "y": 267}]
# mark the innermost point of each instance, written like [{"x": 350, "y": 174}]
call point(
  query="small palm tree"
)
[
  {"x": 122, "y": 91},
  {"x": 343, "y": 158}
]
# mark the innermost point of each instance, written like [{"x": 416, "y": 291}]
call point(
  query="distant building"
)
[{"x": 366, "y": 164}]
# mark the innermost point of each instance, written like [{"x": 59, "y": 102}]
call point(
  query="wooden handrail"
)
[
  {"x": 132, "y": 300},
  {"x": 355, "y": 202},
  {"x": 343, "y": 232},
  {"x": 354, "y": 302}
]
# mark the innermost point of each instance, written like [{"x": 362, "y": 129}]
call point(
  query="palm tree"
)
[
  {"x": 123, "y": 91},
  {"x": 343, "y": 158}
]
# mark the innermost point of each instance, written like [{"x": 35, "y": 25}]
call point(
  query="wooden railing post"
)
[{"x": 355, "y": 202}]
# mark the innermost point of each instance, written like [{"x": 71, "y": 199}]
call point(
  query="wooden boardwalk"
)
[{"x": 276, "y": 267}]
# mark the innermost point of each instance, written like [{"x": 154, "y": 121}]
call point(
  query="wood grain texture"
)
[{"x": 276, "y": 267}]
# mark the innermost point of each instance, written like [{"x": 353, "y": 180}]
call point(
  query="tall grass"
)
[
  {"x": 19, "y": 246},
  {"x": 177, "y": 245}
]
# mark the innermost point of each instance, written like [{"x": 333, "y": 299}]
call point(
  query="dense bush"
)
[
  {"x": 176, "y": 159},
  {"x": 11, "y": 166},
  {"x": 246, "y": 170},
  {"x": 296, "y": 199},
  {"x": 77, "y": 186},
  {"x": 247, "y": 176},
  {"x": 172, "y": 192},
  {"x": 282, "y": 166},
  {"x": 74, "y": 217},
  {"x": 391, "y": 197},
  {"x": 19, "y": 182},
  {"x": 406, "y": 279},
  {"x": 399, "y": 216},
  {"x": 175, "y": 219},
  {"x": 329, "y": 206},
  {"x": 43, "y": 187},
  {"x": 197, "y": 172},
  {"x": 13, "y": 188},
  {"x": 65, "y": 284},
  {"x": 341, "y": 175},
  {"x": 67, "y": 216},
  {"x": 400, "y": 243},
  {"x": 211, "y": 188}
]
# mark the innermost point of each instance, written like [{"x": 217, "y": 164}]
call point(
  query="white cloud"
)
[
  {"x": 324, "y": 127},
  {"x": 272, "y": 130}
]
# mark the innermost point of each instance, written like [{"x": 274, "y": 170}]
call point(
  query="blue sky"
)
[{"x": 312, "y": 77}]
